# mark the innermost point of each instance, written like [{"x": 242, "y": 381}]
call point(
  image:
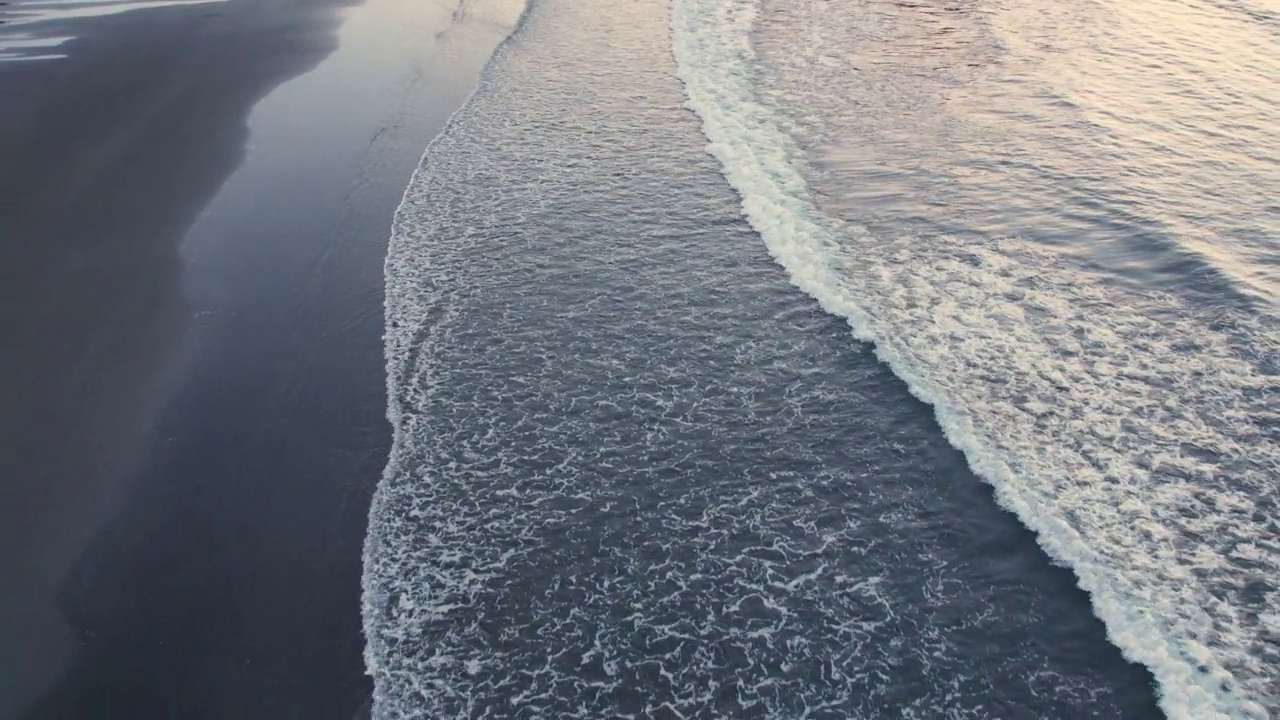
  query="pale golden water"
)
[
  {"x": 1138, "y": 137},
  {"x": 1060, "y": 222}
]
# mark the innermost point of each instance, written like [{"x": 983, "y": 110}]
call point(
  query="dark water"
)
[{"x": 637, "y": 472}]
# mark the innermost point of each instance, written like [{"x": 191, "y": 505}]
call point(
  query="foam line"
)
[
  {"x": 1074, "y": 495},
  {"x": 401, "y": 347}
]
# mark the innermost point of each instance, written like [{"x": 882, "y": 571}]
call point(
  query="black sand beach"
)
[{"x": 194, "y": 403}]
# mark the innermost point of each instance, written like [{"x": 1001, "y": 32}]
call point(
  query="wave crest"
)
[{"x": 1132, "y": 434}]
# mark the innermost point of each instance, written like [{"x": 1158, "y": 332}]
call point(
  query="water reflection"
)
[{"x": 29, "y": 44}]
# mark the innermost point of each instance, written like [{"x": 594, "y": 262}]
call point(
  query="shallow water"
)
[
  {"x": 638, "y": 472},
  {"x": 1135, "y": 139},
  {"x": 1058, "y": 224},
  {"x": 36, "y": 30}
]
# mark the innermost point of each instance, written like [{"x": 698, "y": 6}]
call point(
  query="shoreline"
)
[
  {"x": 100, "y": 179},
  {"x": 201, "y": 418}
]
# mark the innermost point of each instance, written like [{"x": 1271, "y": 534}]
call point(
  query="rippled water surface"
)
[
  {"x": 800, "y": 427},
  {"x": 1137, "y": 138},
  {"x": 1059, "y": 223}
]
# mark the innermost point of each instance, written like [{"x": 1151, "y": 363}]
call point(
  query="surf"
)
[
  {"x": 404, "y": 340},
  {"x": 1128, "y": 431}
]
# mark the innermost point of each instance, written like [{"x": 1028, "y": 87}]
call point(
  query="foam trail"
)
[
  {"x": 1058, "y": 392},
  {"x": 401, "y": 351}
]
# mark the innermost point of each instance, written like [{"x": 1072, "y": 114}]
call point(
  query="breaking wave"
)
[{"x": 1135, "y": 434}]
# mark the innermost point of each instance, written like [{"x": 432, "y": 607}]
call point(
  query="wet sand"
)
[{"x": 194, "y": 396}]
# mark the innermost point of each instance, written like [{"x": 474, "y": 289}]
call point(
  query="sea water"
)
[{"x": 788, "y": 358}]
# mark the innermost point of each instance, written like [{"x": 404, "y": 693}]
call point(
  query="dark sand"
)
[{"x": 193, "y": 413}]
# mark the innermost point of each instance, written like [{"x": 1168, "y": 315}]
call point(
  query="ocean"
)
[{"x": 795, "y": 358}]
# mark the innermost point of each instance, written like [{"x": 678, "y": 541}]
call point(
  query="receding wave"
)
[
  {"x": 637, "y": 474},
  {"x": 1134, "y": 434},
  {"x": 402, "y": 352}
]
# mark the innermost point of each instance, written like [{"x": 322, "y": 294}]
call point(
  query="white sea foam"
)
[
  {"x": 1134, "y": 435},
  {"x": 404, "y": 316},
  {"x": 631, "y": 477}
]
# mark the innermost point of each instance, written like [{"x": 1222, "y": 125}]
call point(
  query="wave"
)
[
  {"x": 1133, "y": 434},
  {"x": 403, "y": 348}
]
